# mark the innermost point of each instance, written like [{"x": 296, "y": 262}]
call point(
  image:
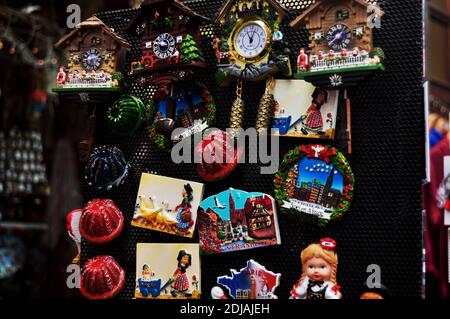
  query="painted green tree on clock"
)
[{"x": 190, "y": 51}]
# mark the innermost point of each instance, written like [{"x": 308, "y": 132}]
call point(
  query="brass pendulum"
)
[
  {"x": 237, "y": 111},
  {"x": 266, "y": 108}
]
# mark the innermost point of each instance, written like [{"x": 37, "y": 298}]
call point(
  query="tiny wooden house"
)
[
  {"x": 95, "y": 53},
  {"x": 170, "y": 34},
  {"x": 325, "y": 17}
]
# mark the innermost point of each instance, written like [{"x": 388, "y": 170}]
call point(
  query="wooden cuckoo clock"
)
[
  {"x": 341, "y": 43},
  {"x": 251, "y": 46},
  {"x": 170, "y": 41},
  {"x": 95, "y": 56}
]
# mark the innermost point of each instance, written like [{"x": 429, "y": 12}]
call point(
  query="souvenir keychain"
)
[{"x": 319, "y": 271}]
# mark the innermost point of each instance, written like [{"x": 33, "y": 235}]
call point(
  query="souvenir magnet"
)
[
  {"x": 167, "y": 205},
  {"x": 101, "y": 278},
  {"x": 157, "y": 279},
  {"x": 235, "y": 220},
  {"x": 252, "y": 282},
  {"x": 73, "y": 229},
  {"x": 319, "y": 270},
  {"x": 101, "y": 221},
  {"x": 315, "y": 183}
]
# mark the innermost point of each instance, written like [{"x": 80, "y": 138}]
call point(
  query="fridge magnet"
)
[
  {"x": 319, "y": 271},
  {"x": 301, "y": 110},
  {"x": 236, "y": 220},
  {"x": 101, "y": 278},
  {"x": 101, "y": 221},
  {"x": 251, "y": 47},
  {"x": 341, "y": 43},
  {"x": 220, "y": 156},
  {"x": 315, "y": 183},
  {"x": 252, "y": 282},
  {"x": 188, "y": 107},
  {"x": 106, "y": 168},
  {"x": 126, "y": 115},
  {"x": 167, "y": 205},
  {"x": 169, "y": 32},
  {"x": 95, "y": 57},
  {"x": 73, "y": 229},
  {"x": 168, "y": 271}
]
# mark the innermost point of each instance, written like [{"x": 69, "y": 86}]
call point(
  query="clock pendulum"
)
[
  {"x": 237, "y": 111},
  {"x": 266, "y": 107}
]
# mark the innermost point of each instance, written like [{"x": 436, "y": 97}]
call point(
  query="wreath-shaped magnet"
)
[{"x": 315, "y": 183}]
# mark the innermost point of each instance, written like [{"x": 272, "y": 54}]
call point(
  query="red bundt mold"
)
[
  {"x": 101, "y": 221},
  {"x": 218, "y": 170},
  {"x": 101, "y": 278}
]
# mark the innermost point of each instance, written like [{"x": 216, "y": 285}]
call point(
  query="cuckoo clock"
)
[
  {"x": 95, "y": 54},
  {"x": 341, "y": 43},
  {"x": 170, "y": 41},
  {"x": 251, "y": 45}
]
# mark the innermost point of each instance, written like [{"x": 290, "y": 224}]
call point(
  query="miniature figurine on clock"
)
[
  {"x": 337, "y": 27},
  {"x": 319, "y": 269},
  {"x": 95, "y": 56}
]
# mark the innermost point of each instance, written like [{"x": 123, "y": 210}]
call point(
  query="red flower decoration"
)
[
  {"x": 328, "y": 244},
  {"x": 194, "y": 278}
]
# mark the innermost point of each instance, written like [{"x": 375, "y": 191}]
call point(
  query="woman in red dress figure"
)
[
  {"x": 313, "y": 121},
  {"x": 180, "y": 278}
]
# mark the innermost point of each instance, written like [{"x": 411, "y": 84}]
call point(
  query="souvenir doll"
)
[
  {"x": 319, "y": 269},
  {"x": 303, "y": 61},
  {"x": 180, "y": 278},
  {"x": 184, "y": 214},
  {"x": 313, "y": 121}
]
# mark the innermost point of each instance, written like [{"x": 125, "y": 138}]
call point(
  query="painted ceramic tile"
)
[
  {"x": 167, "y": 205},
  {"x": 168, "y": 271}
]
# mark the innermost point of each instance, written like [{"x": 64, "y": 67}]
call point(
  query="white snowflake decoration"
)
[
  {"x": 336, "y": 80},
  {"x": 84, "y": 97}
]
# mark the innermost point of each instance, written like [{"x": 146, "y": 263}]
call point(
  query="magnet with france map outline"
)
[{"x": 253, "y": 281}]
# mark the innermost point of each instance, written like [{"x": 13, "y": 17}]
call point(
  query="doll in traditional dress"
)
[
  {"x": 180, "y": 278},
  {"x": 313, "y": 120},
  {"x": 184, "y": 214},
  {"x": 319, "y": 268}
]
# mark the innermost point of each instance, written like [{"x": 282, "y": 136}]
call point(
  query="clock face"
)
[
  {"x": 92, "y": 59},
  {"x": 164, "y": 46},
  {"x": 339, "y": 37},
  {"x": 251, "y": 40}
]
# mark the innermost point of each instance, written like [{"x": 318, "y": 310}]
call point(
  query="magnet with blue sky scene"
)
[
  {"x": 315, "y": 183},
  {"x": 235, "y": 220}
]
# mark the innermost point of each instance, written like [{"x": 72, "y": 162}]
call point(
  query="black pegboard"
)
[{"x": 384, "y": 224}]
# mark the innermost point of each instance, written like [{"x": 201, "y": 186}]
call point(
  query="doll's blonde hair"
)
[{"x": 317, "y": 251}]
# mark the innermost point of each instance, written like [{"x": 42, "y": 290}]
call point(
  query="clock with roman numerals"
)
[
  {"x": 92, "y": 59},
  {"x": 164, "y": 46},
  {"x": 339, "y": 37}
]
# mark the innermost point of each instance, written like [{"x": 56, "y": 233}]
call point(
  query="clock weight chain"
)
[
  {"x": 237, "y": 111},
  {"x": 266, "y": 107}
]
